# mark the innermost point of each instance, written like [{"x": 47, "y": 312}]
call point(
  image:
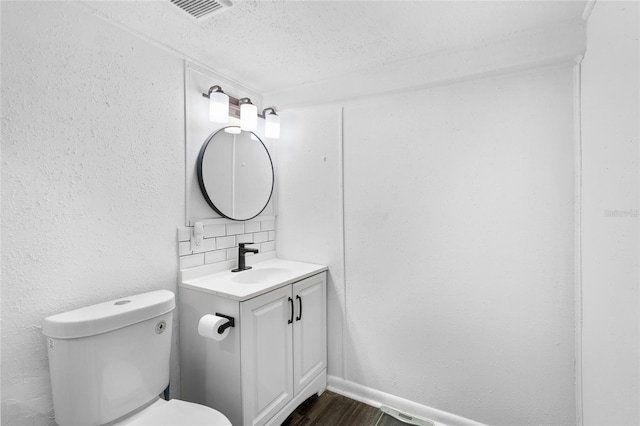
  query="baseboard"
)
[{"x": 377, "y": 398}]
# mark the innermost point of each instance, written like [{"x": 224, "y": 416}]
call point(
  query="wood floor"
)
[{"x": 332, "y": 409}]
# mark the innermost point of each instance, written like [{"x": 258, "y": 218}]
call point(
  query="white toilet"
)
[{"x": 110, "y": 362}]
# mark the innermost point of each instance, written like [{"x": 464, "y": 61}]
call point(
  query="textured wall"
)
[
  {"x": 610, "y": 135},
  {"x": 92, "y": 179}
]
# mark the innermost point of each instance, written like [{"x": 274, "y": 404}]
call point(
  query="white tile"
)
[
  {"x": 184, "y": 234},
  {"x": 268, "y": 246},
  {"x": 260, "y": 237},
  {"x": 244, "y": 238},
  {"x": 215, "y": 256},
  {"x": 211, "y": 231},
  {"x": 251, "y": 227},
  {"x": 206, "y": 244},
  {"x": 235, "y": 228},
  {"x": 232, "y": 253},
  {"x": 192, "y": 260},
  {"x": 184, "y": 248},
  {"x": 209, "y": 244},
  {"x": 225, "y": 242},
  {"x": 268, "y": 225},
  {"x": 272, "y": 236}
]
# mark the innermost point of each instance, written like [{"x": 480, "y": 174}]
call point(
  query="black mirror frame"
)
[{"x": 203, "y": 190}]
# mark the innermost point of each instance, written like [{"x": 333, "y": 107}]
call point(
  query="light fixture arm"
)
[
  {"x": 270, "y": 110},
  {"x": 212, "y": 89}
]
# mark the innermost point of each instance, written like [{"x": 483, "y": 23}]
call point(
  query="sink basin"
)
[
  {"x": 265, "y": 276},
  {"x": 262, "y": 275}
]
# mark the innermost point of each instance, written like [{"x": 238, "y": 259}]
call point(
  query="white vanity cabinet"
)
[
  {"x": 274, "y": 357},
  {"x": 283, "y": 341}
]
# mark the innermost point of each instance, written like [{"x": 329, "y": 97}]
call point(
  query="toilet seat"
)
[{"x": 175, "y": 413}]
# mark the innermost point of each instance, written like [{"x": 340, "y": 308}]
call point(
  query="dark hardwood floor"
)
[{"x": 332, "y": 409}]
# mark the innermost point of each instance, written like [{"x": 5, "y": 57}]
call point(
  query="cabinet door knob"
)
[
  {"x": 300, "y": 311},
  {"x": 291, "y": 306}
]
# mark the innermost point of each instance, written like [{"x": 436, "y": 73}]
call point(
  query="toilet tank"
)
[{"x": 109, "y": 359}]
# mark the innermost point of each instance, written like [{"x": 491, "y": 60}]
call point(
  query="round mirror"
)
[{"x": 235, "y": 173}]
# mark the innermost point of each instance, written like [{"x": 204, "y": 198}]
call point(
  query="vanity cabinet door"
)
[
  {"x": 266, "y": 355},
  {"x": 309, "y": 330}
]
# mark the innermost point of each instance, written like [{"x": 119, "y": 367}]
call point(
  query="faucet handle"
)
[{"x": 243, "y": 244}]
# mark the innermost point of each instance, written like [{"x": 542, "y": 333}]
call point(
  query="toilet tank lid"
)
[{"x": 108, "y": 316}]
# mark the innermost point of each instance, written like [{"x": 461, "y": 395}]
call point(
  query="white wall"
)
[
  {"x": 92, "y": 180},
  {"x": 458, "y": 227},
  {"x": 610, "y": 206},
  {"x": 459, "y": 247},
  {"x": 310, "y": 214}
]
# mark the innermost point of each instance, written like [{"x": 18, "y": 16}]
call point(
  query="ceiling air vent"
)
[{"x": 202, "y": 9}]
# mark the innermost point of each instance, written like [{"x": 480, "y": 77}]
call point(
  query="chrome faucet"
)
[{"x": 242, "y": 250}]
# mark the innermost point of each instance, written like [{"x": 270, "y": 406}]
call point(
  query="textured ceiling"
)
[{"x": 275, "y": 45}]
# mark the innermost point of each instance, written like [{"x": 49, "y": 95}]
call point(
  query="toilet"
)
[{"x": 109, "y": 363}]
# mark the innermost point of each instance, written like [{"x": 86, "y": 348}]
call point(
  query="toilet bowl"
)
[
  {"x": 174, "y": 413},
  {"x": 110, "y": 362}
]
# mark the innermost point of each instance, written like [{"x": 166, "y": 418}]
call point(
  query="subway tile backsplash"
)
[
  {"x": 184, "y": 234},
  {"x": 215, "y": 256},
  {"x": 268, "y": 246},
  {"x": 225, "y": 242},
  {"x": 245, "y": 238},
  {"x": 260, "y": 237},
  {"x": 221, "y": 239},
  {"x": 267, "y": 225},
  {"x": 210, "y": 231},
  {"x": 191, "y": 260},
  {"x": 184, "y": 248},
  {"x": 235, "y": 228},
  {"x": 252, "y": 227}
]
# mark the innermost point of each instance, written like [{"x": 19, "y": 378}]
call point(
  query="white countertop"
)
[{"x": 226, "y": 283}]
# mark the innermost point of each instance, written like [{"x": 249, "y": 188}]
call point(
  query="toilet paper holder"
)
[{"x": 230, "y": 323}]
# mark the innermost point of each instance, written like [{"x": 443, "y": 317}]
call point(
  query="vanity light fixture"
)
[
  {"x": 248, "y": 115},
  {"x": 271, "y": 123},
  {"x": 218, "y": 105},
  {"x": 223, "y": 106}
]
